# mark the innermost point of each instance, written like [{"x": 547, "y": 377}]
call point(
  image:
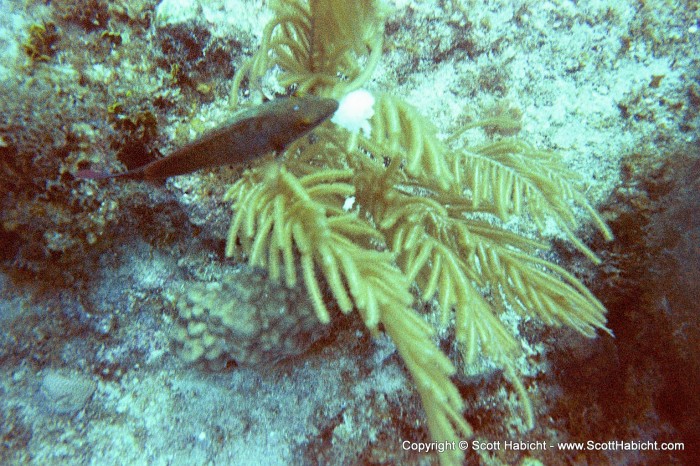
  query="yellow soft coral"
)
[{"x": 425, "y": 215}]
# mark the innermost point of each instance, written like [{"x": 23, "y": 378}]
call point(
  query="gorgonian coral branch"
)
[
  {"x": 288, "y": 216},
  {"x": 424, "y": 216},
  {"x": 327, "y": 48}
]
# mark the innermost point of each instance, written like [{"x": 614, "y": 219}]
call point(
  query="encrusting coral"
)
[
  {"x": 243, "y": 318},
  {"x": 424, "y": 214}
]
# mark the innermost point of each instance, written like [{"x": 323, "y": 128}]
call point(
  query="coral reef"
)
[
  {"x": 57, "y": 121},
  {"x": 81, "y": 101},
  {"x": 88, "y": 266}
]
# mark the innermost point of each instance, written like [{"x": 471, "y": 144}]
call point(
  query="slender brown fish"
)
[{"x": 253, "y": 133}]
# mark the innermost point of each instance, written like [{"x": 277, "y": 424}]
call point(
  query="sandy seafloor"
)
[{"x": 88, "y": 371}]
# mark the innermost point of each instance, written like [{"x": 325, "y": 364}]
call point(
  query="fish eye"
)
[{"x": 296, "y": 108}]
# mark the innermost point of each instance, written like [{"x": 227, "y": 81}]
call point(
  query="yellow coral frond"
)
[
  {"x": 325, "y": 47},
  {"x": 513, "y": 177},
  {"x": 303, "y": 214},
  {"x": 404, "y": 134},
  {"x": 357, "y": 277},
  {"x": 431, "y": 371},
  {"x": 449, "y": 256}
]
